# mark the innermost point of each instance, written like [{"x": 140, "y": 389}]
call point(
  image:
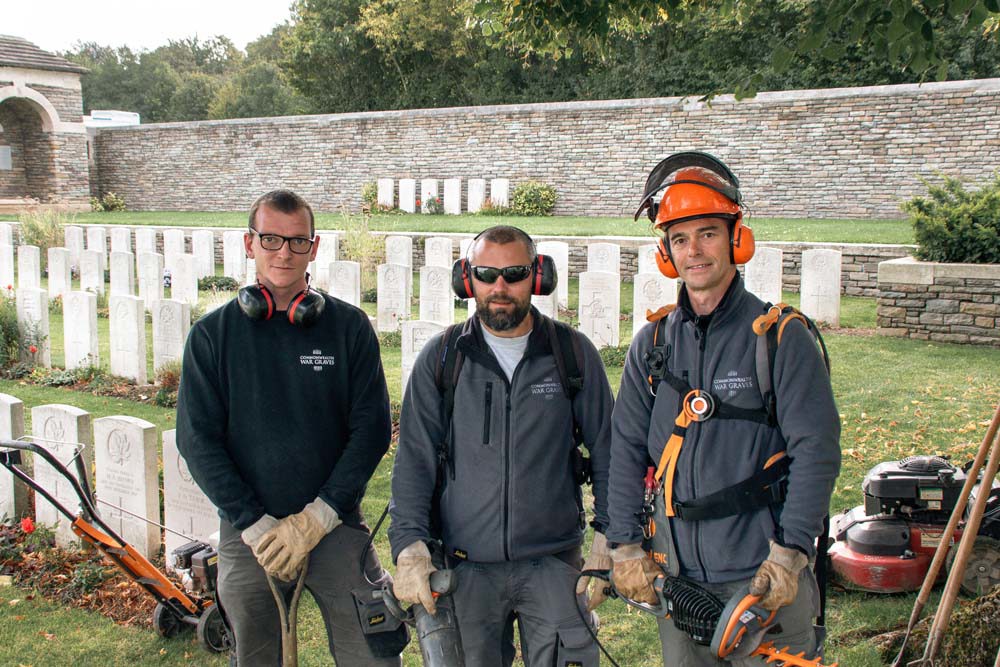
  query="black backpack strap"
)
[
  {"x": 568, "y": 357},
  {"x": 449, "y": 366}
]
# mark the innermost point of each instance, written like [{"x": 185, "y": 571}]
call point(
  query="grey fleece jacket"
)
[
  {"x": 513, "y": 495},
  {"x": 716, "y": 353}
]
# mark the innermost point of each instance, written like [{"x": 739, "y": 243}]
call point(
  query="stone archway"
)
[{"x": 27, "y": 148}]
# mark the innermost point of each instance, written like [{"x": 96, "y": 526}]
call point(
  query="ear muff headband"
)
[{"x": 544, "y": 277}]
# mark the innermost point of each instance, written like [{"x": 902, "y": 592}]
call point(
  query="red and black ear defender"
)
[
  {"x": 543, "y": 272},
  {"x": 695, "y": 185},
  {"x": 304, "y": 309}
]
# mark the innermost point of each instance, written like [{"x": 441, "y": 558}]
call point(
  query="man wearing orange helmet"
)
[{"x": 744, "y": 466}]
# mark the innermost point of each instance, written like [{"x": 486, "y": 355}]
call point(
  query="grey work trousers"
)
[
  {"x": 796, "y": 621},
  {"x": 541, "y": 594},
  {"x": 334, "y": 572}
]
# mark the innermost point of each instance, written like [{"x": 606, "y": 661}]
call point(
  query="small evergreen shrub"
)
[
  {"x": 218, "y": 284},
  {"x": 952, "y": 224},
  {"x": 109, "y": 202},
  {"x": 533, "y": 198}
]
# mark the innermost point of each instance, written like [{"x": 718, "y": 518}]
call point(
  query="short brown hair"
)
[
  {"x": 504, "y": 234},
  {"x": 284, "y": 201}
]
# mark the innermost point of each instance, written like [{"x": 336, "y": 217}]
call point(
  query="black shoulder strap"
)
[
  {"x": 446, "y": 377},
  {"x": 567, "y": 353}
]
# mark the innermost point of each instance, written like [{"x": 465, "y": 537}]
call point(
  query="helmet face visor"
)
[{"x": 694, "y": 169}]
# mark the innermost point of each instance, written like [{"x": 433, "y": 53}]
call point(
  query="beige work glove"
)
[
  {"x": 633, "y": 572},
  {"x": 412, "y": 582},
  {"x": 777, "y": 579},
  {"x": 253, "y": 535},
  {"x": 599, "y": 559},
  {"x": 284, "y": 548}
]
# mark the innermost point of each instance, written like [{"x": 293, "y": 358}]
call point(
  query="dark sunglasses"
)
[
  {"x": 297, "y": 244},
  {"x": 511, "y": 274}
]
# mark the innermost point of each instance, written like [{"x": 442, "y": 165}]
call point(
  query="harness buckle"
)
[{"x": 699, "y": 405}]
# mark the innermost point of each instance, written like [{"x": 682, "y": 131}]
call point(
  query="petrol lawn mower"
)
[
  {"x": 195, "y": 562},
  {"x": 886, "y": 545}
]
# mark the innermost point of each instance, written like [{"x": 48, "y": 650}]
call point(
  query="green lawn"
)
[
  {"x": 895, "y": 397},
  {"x": 766, "y": 229}
]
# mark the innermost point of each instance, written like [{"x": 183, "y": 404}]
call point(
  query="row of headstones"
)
[
  {"x": 451, "y": 199},
  {"x": 120, "y": 457},
  {"x": 127, "y": 330}
]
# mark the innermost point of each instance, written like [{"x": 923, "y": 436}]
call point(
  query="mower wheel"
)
[
  {"x": 212, "y": 631},
  {"x": 982, "y": 572},
  {"x": 165, "y": 621}
]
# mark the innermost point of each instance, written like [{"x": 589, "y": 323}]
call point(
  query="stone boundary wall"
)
[
  {"x": 831, "y": 153},
  {"x": 949, "y": 303}
]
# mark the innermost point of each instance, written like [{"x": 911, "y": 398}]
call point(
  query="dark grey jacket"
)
[
  {"x": 513, "y": 495},
  {"x": 717, "y": 354}
]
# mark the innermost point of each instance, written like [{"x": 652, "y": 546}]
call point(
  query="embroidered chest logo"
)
[
  {"x": 317, "y": 360},
  {"x": 731, "y": 384},
  {"x": 547, "y": 388}
]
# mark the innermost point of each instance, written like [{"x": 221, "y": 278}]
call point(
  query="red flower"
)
[
  {"x": 418, "y": 202},
  {"x": 10, "y": 287},
  {"x": 33, "y": 349},
  {"x": 27, "y": 525}
]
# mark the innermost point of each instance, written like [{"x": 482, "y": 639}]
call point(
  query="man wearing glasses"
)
[
  {"x": 282, "y": 417},
  {"x": 506, "y": 506}
]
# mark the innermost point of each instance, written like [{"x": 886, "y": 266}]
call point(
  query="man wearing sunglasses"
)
[
  {"x": 282, "y": 417},
  {"x": 505, "y": 506}
]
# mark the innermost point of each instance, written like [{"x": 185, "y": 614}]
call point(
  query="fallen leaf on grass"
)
[
  {"x": 6, "y": 580},
  {"x": 12, "y": 603},
  {"x": 163, "y": 651},
  {"x": 19, "y": 618},
  {"x": 48, "y": 635}
]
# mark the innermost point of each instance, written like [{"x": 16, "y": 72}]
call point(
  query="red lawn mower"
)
[{"x": 887, "y": 544}]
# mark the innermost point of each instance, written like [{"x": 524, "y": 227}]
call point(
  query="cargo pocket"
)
[
  {"x": 385, "y": 634},
  {"x": 576, "y": 648}
]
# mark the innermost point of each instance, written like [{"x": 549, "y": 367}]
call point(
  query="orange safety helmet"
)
[{"x": 695, "y": 185}]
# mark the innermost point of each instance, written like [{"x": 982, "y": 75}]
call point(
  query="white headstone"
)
[
  {"x": 438, "y": 251},
  {"x": 650, "y": 291},
  {"x": 407, "y": 195},
  {"x": 80, "y": 330},
  {"x": 7, "y": 266},
  {"x": 604, "y": 257},
  {"x": 60, "y": 276},
  {"x": 234, "y": 255},
  {"x": 173, "y": 245},
  {"x": 97, "y": 240},
  {"x": 125, "y": 454},
  {"x": 171, "y": 322},
  {"x": 399, "y": 250},
  {"x": 122, "y": 274},
  {"x": 6, "y": 233},
  {"x": 121, "y": 239},
  {"x": 145, "y": 240},
  {"x": 392, "y": 302},
  {"x": 500, "y": 192},
  {"x": 547, "y": 305},
  {"x": 250, "y": 277},
  {"x": 327, "y": 250},
  {"x": 385, "y": 192},
  {"x": 29, "y": 266},
  {"x": 184, "y": 279},
  {"x": 150, "y": 278},
  {"x": 647, "y": 258},
  {"x": 477, "y": 193},
  {"x": 73, "y": 240},
  {"x": 345, "y": 281},
  {"x": 186, "y": 508},
  {"x": 428, "y": 191},
  {"x": 763, "y": 274},
  {"x": 559, "y": 252},
  {"x": 63, "y": 430},
  {"x": 453, "y": 196},
  {"x": 13, "y": 492},
  {"x": 33, "y": 321},
  {"x": 91, "y": 272},
  {"x": 416, "y": 333},
  {"x": 127, "y": 323},
  {"x": 820, "y": 287},
  {"x": 600, "y": 305},
  {"x": 436, "y": 301},
  {"x": 203, "y": 249}
]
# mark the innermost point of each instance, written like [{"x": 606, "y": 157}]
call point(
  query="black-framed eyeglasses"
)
[
  {"x": 297, "y": 244},
  {"x": 511, "y": 274}
]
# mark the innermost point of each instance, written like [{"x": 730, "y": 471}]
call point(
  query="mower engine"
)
[
  {"x": 887, "y": 544},
  {"x": 197, "y": 564}
]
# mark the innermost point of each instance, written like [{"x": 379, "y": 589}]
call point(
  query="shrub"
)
[
  {"x": 489, "y": 208},
  {"x": 533, "y": 198},
  {"x": 218, "y": 284},
  {"x": 168, "y": 375},
  {"x": 390, "y": 338},
  {"x": 43, "y": 228},
  {"x": 369, "y": 195},
  {"x": 953, "y": 224},
  {"x": 359, "y": 244},
  {"x": 10, "y": 333},
  {"x": 109, "y": 202},
  {"x": 434, "y": 206}
]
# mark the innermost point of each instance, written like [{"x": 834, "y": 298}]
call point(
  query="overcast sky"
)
[{"x": 55, "y": 25}]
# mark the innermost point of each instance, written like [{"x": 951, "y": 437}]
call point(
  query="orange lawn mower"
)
[{"x": 195, "y": 562}]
